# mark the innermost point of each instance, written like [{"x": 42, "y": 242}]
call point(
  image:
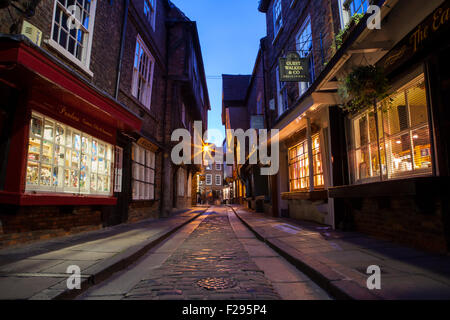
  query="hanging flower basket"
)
[{"x": 363, "y": 87}]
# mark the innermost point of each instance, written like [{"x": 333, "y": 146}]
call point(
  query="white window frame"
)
[
  {"x": 151, "y": 18},
  {"x": 208, "y": 176},
  {"x": 218, "y": 181},
  {"x": 277, "y": 18},
  {"x": 98, "y": 165},
  {"x": 85, "y": 61},
  {"x": 218, "y": 166},
  {"x": 118, "y": 169},
  {"x": 146, "y": 97},
  {"x": 144, "y": 178}
]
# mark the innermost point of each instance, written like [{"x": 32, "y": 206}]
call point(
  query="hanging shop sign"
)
[
  {"x": 424, "y": 36},
  {"x": 293, "y": 68}
]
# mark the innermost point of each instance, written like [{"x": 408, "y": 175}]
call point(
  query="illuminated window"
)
[
  {"x": 143, "y": 68},
  {"x": 65, "y": 160},
  {"x": 299, "y": 165},
  {"x": 144, "y": 162},
  {"x": 405, "y": 147}
]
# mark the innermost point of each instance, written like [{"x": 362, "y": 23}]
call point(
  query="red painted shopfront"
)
[{"x": 62, "y": 133}]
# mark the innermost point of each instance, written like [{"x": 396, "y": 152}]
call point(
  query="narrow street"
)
[{"x": 213, "y": 257}]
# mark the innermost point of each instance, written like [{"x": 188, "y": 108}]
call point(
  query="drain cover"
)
[{"x": 216, "y": 283}]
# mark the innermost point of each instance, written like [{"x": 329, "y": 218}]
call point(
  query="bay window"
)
[
  {"x": 65, "y": 160},
  {"x": 144, "y": 162},
  {"x": 299, "y": 165},
  {"x": 404, "y": 145}
]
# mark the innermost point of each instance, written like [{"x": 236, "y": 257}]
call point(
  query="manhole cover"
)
[{"x": 216, "y": 283}]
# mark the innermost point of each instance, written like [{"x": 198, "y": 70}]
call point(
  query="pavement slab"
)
[
  {"x": 339, "y": 260},
  {"x": 38, "y": 270}
]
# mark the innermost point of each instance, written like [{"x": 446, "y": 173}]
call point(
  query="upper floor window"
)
[
  {"x": 356, "y": 6},
  {"x": 209, "y": 179},
  {"x": 150, "y": 11},
  {"x": 305, "y": 49},
  {"x": 218, "y": 180},
  {"x": 218, "y": 166},
  {"x": 143, "y": 68},
  {"x": 72, "y": 28},
  {"x": 277, "y": 17}
]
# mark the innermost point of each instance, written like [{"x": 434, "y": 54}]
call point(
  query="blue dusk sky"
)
[{"x": 229, "y": 32}]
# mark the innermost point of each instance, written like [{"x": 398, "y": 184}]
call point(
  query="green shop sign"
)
[{"x": 293, "y": 68}]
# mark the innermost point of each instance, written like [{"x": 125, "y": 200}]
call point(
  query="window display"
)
[
  {"x": 299, "y": 165},
  {"x": 404, "y": 145},
  {"x": 62, "y": 159}
]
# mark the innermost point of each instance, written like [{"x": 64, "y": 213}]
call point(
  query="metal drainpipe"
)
[
  {"x": 166, "y": 88},
  {"x": 122, "y": 47}
]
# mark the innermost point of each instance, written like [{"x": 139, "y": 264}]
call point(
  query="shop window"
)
[
  {"x": 143, "y": 68},
  {"x": 144, "y": 162},
  {"x": 305, "y": 49},
  {"x": 118, "y": 169},
  {"x": 63, "y": 159},
  {"x": 189, "y": 185},
  {"x": 404, "y": 145},
  {"x": 299, "y": 165},
  {"x": 150, "y": 11},
  {"x": 74, "y": 42}
]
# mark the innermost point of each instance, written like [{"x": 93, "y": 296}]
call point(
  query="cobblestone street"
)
[
  {"x": 213, "y": 258},
  {"x": 211, "y": 252}
]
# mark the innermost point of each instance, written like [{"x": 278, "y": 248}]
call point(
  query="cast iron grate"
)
[{"x": 216, "y": 283}]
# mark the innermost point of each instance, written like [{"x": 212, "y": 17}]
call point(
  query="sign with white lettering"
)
[{"x": 293, "y": 68}]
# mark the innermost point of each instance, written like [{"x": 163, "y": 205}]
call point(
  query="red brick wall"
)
[
  {"x": 399, "y": 219},
  {"x": 26, "y": 224}
]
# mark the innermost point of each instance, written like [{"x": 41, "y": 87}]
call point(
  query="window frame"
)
[
  {"x": 300, "y": 40},
  {"x": 147, "y": 167},
  {"x": 209, "y": 175},
  {"x": 388, "y": 173},
  {"x": 151, "y": 18},
  {"x": 70, "y": 152},
  {"x": 146, "y": 97},
  {"x": 85, "y": 61},
  {"x": 277, "y": 17},
  {"x": 220, "y": 179}
]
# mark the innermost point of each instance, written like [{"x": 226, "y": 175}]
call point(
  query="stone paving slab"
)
[
  {"x": 38, "y": 270},
  {"x": 338, "y": 261}
]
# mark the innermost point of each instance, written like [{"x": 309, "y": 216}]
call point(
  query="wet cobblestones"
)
[{"x": 211, "y": 251}]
